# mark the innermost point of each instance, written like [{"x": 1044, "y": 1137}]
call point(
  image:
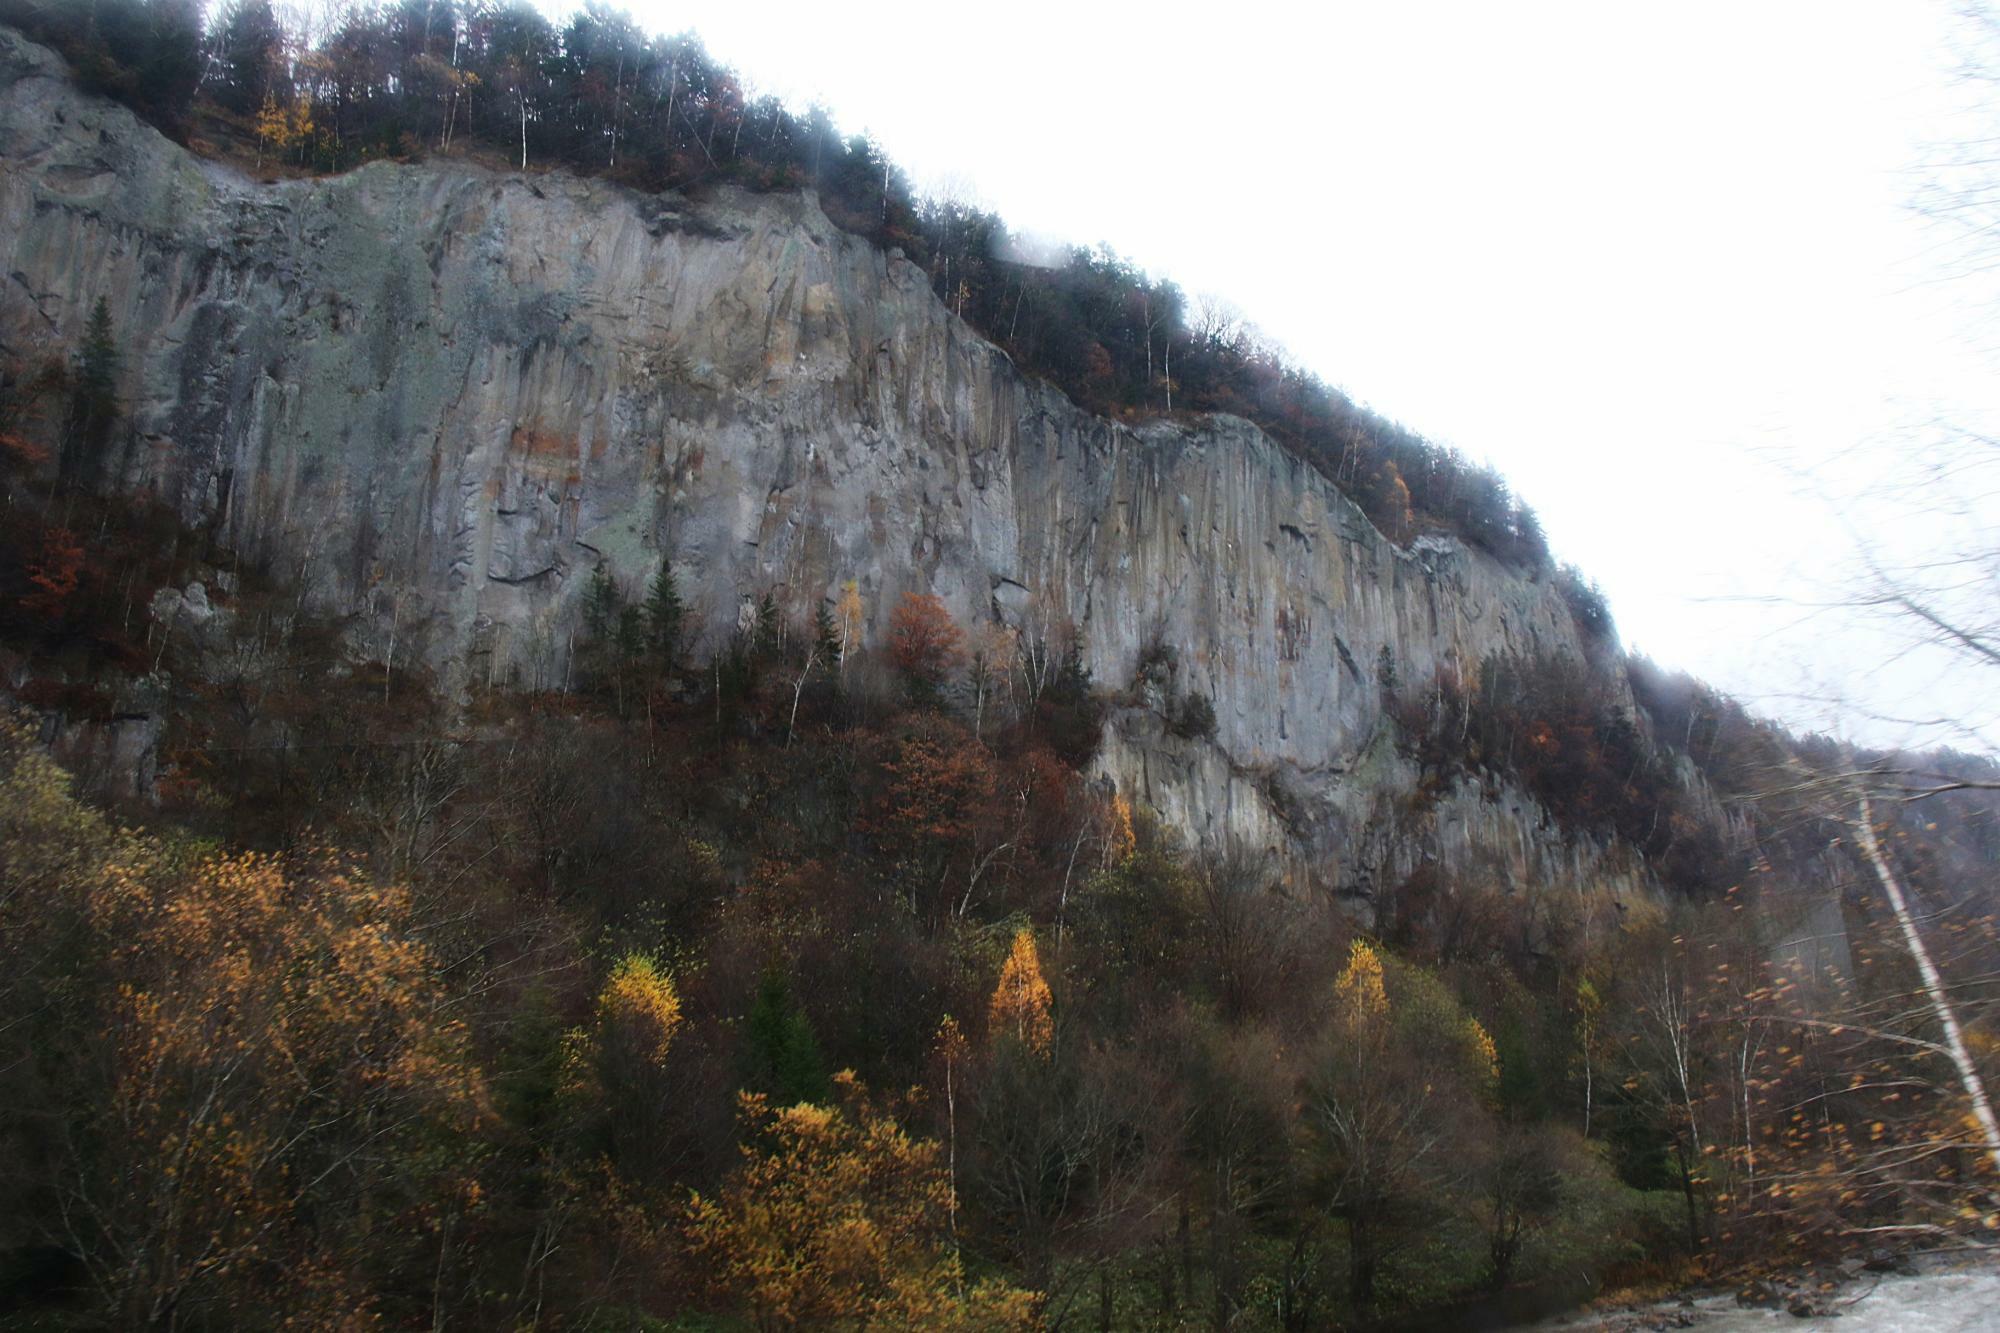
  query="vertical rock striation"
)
[{"x": 440, "y": 396}]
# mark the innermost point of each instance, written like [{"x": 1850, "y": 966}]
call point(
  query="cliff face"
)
[{"x": 440, "y": 396}]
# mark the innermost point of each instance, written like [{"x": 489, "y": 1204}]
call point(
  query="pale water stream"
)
[{"x": 1945, "y": 1300}]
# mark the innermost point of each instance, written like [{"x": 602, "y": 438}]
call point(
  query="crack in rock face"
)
[{"x": 470, "y": 388}]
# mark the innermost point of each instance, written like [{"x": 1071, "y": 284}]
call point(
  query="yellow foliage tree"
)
[
  {"x": 838, "y": 1215},
  {"x": 284, "y": 1063},
  {"x": 639, "y": 1002},
  {"x": 1020, "y": 1007},
  {"x": 1123, "y": 840},
  {"x": 52, "y": 853},
  {"x": 847, "y": 616},
  {"x": 281, "y": 127},
  {"x": 1402, "y": 1079},
  {"x": 51, "y": 847},
  {"x": 1360, "y": 994},
  {"x": 1482, "y": 1056},
  {"x": 615, "y": 1071}
]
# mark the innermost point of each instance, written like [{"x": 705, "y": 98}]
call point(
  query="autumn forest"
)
[{"x": 777, "y": 973}]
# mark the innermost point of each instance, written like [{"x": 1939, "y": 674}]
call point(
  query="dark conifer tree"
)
[
  {"x": 665, "y": 616},
  {"x": 782, "y": 1054},
  {"x": 250, "y": 57},
  {"x": 601, "y": 604},
  {"x": 826, "y": 636},
  {"x": 160, "y": 43},
  {"x": 765, "y": 644},
  {"x": 93, "y": 403}
]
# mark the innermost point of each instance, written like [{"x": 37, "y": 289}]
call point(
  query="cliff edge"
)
[{"x": 440, "y": 396}]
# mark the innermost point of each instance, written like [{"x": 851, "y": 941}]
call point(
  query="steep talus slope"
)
[{"x": 439, "y": 396}]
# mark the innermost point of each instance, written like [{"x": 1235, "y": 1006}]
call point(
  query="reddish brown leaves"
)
[
  {"x": 55, "y": 573},
  {"x": 924, "y": 643}
]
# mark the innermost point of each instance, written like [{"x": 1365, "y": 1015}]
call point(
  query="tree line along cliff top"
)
[
  {"x": 413, "y": 79},
  {"x": 795, "y": 979}
]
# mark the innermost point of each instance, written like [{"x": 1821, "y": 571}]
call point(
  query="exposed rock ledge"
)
[{"x": 440, "y": 395}]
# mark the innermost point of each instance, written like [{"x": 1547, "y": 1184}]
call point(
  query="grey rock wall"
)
[{"x": 440, "y": 396}]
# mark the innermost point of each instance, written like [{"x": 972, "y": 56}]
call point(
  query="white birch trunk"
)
[{"x": 1954, "y": 1039}]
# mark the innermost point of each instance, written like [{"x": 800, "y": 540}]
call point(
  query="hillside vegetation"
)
[
  {"x": 811, "y": 981},
  {"x": 792, "y": 977}
]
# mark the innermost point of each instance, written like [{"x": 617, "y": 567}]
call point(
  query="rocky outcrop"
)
[{"x": 439, "y": 396}]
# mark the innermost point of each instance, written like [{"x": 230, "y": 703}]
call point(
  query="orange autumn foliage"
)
[
  {"x": 933, "y": 809},
  {"x": 924, "y": 642},
  {"x": 1021, "y": 1002},
  {"x": 282, "y": 1053}
]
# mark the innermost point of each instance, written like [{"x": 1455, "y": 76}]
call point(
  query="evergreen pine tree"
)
[
  {"x": 783, "y": 1055},
  {"x": 631, "y": 634},
  {"x": 93, "y": 404},
  {"x": 601, "y": 605},
  {"x": 146, "y": 53},
  {"x": 766, "y": 644},
  {"x": 826, "y": 637},
  {"x": 665, "y": 615},
  {"x": 801, "y": 1069},
  {"x": 603, "y": 614},
  {"x": 249, "y": 47}
]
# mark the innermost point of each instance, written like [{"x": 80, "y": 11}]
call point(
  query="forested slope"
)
[{"x": 949, "y": 843}]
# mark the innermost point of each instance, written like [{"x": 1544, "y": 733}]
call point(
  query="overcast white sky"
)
[{"x": 1650, "y": 261}]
